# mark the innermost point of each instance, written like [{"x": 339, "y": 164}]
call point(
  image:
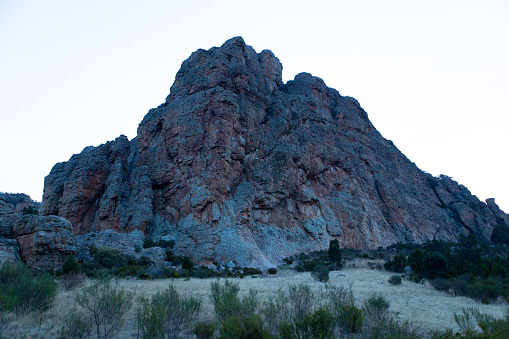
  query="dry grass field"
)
[{"x": 421, "y": 304}]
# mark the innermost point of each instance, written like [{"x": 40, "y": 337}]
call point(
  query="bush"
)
[
  {"x": 166, "y": 244},
  {"x": 320, "y": 273},
  {"x": 341, "y": 301},
  {"x": 76, "y": 326},
  {"x": 397, "y": 264},
  {"x": 376, "y": 307},
  {"x": 241, "y": 327},
  {"x": 204, "y": 330},
  {"x": 148, "y": 243},
  {"x": 441, "y": 284},
  {"x": 187, "y": 263},
  {"x": 272, "y": 270},
  {"x": 166, "y": 314},
  {"x": 435, "y": 266},
  {"x": 275, "y": 311},
  {"x": 227, "y": 303},
  {"x": 70, "y": 265},
  {"x": 107, "y": 305},
  {"x": 6, "y": 305},
  {"x": 299, "y": 268},
  {"x": 72, "y": 280},
  {"x": 395, "y": 280},
  {"x": 350, "y": 319},
  {"x": 23, "y": 292},
  {"x": 30, "y": 210},
  {"x": 317, "y": 324},
  {"x": 302, "y": 300},
  {"x": 110, "y": 257}
]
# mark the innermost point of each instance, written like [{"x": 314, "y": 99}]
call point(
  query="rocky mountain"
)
[{"x": 237, "y": 165}]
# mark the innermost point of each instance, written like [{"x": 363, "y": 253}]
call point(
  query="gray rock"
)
[{"x": 9, "y": 250}]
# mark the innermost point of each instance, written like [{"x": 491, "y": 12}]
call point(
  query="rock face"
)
[
  {"x": 236, "y": 165},
  {"x": 42, "y": 242}
]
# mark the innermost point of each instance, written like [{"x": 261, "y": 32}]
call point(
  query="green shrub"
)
[
  {"x": 24, "y": 292},
  {"x": 435, "y": 265},
  {"x": 148, "y": 243},
  {"x": 299, "y": 268},
  {"x": 302, "y": 300},
  {"x": 176, "y": 261},
  {"x": 320, "y": 273},
  {"x": 350, "y": 319},
  {"x": 76, "y": 326},
  {"x": 110, "y": 257},
  {"x": 272, "y": 270},
  {"x": 30, "y": 210},
  {"x": 204, "y": 330},
  {"x": 187, "y": 263},
  {"x": 397, "y": 264},
  {"x": 275, "y": 311},
  {"x": 6, "y": 305},
  {"x": 317, "y": 324},
  {"x": 72, "y": 280},
  {"x": 70, "y": 265},
  {"x": 243, "y": 326},
  {"x": 395, "y": 280},
  {"x": 251, "y": 271},
  {"x": 107, "y": 304},
  {"x": 166, "y": 314},
  {"x": 341, "y": 301},
  {"x": 227, "y": 302},
  {"x": 225, "y": 299},
  {"x": 166, "y": 243},
  {"x": 376, "y": 306}
]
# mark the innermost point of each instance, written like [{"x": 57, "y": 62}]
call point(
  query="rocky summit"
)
[{"x": 238, "y": 166}]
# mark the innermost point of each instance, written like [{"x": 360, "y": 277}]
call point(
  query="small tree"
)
[
  {"x": 107, "y": 304},
  {"x": 187, "y": 263},
  {"x": 334, "y": 253},
  {"x": 320, "y": 273},
  {"x": 70, "y": 265}
]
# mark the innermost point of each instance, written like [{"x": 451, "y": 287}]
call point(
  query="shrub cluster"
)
[
  {"x": 315, "y": 261},
  {"x": 468, "y": 267},
  {"x": 300, "y": 313},
  {"x": 22, "y": 293}
]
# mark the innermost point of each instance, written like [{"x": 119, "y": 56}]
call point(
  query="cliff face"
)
[{"x": 236, "y": 165}]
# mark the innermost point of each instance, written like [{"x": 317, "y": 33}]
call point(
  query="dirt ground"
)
[{"x": 420, "y": 304}]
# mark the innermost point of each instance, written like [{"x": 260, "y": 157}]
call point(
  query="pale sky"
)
[{"x": 433, "y": 76}]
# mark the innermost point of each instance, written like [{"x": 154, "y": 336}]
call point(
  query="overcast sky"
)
[{"x": 432, "y": 75}]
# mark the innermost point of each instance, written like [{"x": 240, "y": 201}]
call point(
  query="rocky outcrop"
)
[
  {"x": 128, "y": 243},
  {"x": 19, "y": 201},
  {"x": 42, "y": 242},
  {"x": 236, "y": 165}
]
